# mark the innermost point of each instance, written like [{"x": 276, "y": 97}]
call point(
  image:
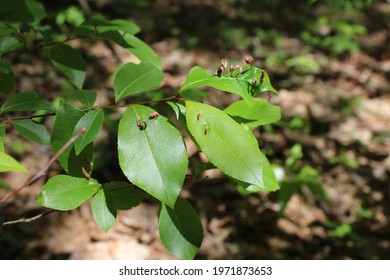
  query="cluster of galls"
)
[{"x": 232, "y": 68}]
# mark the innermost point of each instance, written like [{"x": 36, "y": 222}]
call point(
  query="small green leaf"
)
[
  {"x": 22, "y": 10},
  {"x": 32, "y": 131},
  {"x": 86, "y": 97},
  {"x": 8, "y": 163},
  {"x": 180, "y": 229},
  {"x": 125, "y": 195},
  {"x": 133, "y": 78},
  {"x": 260, "y": 112},
  {"x": 244, "y": 84},
  {"x": 92, "y": 122},
  {"x": 9, "y": 43},
  {"x": 64, "y": 192},
  {"x": 103, "y": 209},
  {"x": 70, "y": 62},
  {"x": 152, "y": 153},
  {"x": 7, "y": 78},
  {"x": 229, "y": 146},
  {"x": 26, "y": 101}
]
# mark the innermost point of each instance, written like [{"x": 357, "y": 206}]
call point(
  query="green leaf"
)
[
  {"x": 103, "y": 209},
  {"x": 64, "y": 192},
  {"x": 32, "y": 131},
  {"x": 133, "y": 78},
  {"x": 99, "y": 25},
  {"x": 26, "y": 101},
  {"x": 125, "y": 195},
  {"x": 66, "y": 119},
  {"x": 8, "y": 163},
  {"x": 180, "y": 229},
  {"x": 260, "y": 112},
  {"x": 70, "y": 62},
  {"x": 152, "y": 156},
  {"x": 142, "y": 51},
  {"x": 86, "y": 97},
  {"x": 9, "y": 43},
  {"x": 93, "y": 122},
  {"x": 242, "y": 84},
  {"x": 7, "y": 78},
  {"x": 21, "y": 10},
  {"x": 2, "y": 136},
  {"x": 229, "y": 146}
]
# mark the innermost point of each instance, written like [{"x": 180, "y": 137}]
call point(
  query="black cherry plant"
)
[{"x": 151, "y": 151}]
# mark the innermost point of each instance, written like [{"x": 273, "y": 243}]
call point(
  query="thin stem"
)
[
  {"x": 43, "y": 170},
  {"x": 174, "y": 97},
  {"x": 29, "y": 220}
]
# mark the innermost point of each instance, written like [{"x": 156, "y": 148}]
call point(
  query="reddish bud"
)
[
  {"x": 224, "y": 63},
  {"x": 153, "y": 115},
  {"x": 249, "y": 60}
]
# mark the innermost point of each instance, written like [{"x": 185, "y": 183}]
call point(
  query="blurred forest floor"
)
[{"x": 334, "y": 132}]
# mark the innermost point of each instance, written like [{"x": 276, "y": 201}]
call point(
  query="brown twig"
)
[
  {"x": 43, "y": 170},
  {"x": 29, "y": 220},
  {"x": 175, "y": 97}
]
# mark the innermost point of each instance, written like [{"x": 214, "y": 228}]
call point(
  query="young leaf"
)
[
  {"x": 26, "y": 101},
  {"x": 125, "y": 195},
  {"x": 22, "y": 10},
  {"x": 180, "y": 229},
  {"x": 70, "y": 62},
  {"x": 7, "y": 78},
  {"x": 86, "y": 97},
  {"x": 133, "y": 78},
  {"x": 243, "y": 84},
  {"x": 103, "y": 209},
  {"x": 152, "y": 153},
  {"x": 66, "y": 119},
  {"x": 32, "y": 131},
  {"x": 229, "y": 146},
  {"x": 63, "y": 192},
  {"x": 8, "y": 163},
  {"x": 93, "y": 122},
  {"x": 259, "y": 113}
]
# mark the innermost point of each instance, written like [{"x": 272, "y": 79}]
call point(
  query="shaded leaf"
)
[
  {"x": 32, "y": 131},
  {"x": 63, "y": 192},
  {"x": 125, "y": 195},
  {"x": 93, "y": 122},
  {"x": 153, "y": 157},
  {"x": 66, "y": 119},
  {"x": 98, "y": 25},
  {"x": 180, "y": 229},
  {"x": 70, "y": 62},
  {"x": 26, "y": 101},
  {"x": 260, "y": 112},
  {"x": 103, "y": 209},
  {"x": 229, "y": 146},
  {"x": 8, "y": 163},
  {"x": 86, "y": 97},
  {"x": 9, "y": 43},
  {"x": 2, "y": 136},
  {"x": 7, "y": 78},
  {"x": 133, "y": 78},
  {"x": 21, "y": 10}
]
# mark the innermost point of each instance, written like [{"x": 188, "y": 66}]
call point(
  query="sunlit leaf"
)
[
  {"x": 63, "y": 192},
  {"x": 103, "y": 209},
  {"x": 8, "y": 163},
  {"x": 229, "y": 146},
  {"x": 152, "y": 153}
]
